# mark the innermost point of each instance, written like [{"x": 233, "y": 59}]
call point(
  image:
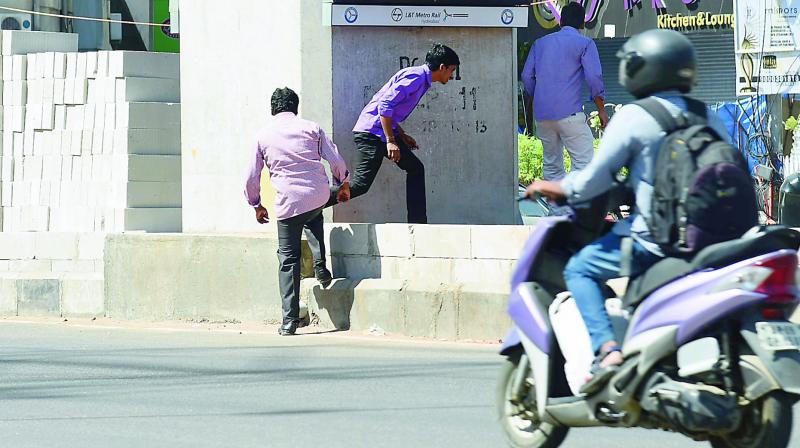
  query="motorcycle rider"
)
[{"x": 657, "y": 63}]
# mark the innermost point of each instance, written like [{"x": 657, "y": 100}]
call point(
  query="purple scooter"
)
[{"x": 709, "y": 350}]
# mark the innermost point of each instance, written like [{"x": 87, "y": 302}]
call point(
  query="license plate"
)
[{"x": 778, "y": 335}]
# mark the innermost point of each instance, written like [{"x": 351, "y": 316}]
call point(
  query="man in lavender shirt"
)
[
  {"x": 292, "y": 149},
  {"x": 554, "y": 73},
  {"x": 378, "y": 133}
]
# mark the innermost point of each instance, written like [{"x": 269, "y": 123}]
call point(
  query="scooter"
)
[{"x": 708, "y": 350}]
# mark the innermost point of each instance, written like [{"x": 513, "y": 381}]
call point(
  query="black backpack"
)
[{"x": 702, "y": 191}]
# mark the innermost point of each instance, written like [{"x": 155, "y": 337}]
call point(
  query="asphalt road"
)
[{"x": 73, "y": 386}]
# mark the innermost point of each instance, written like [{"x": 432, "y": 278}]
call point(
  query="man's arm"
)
[
  {"x": 391, "y": 144},
  {"x": 615, "y": 152},
  {"x": 389, "y": 101},
  {"x": 341, "y": 176},
  {"x": 529, "y": 72},
  {"x": 593, "y": 73},
  {"x": 252, "y": 189}
]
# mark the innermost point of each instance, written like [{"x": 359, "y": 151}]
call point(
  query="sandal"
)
[{"x": 600, "y": 375}]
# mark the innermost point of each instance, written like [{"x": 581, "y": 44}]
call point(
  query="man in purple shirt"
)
[
  {"x": 554, "y": 73},
  {"x": 292, "y": 149},
  {"x": 378, "y": 133}
]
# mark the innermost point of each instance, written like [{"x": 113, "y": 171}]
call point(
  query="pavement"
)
[{"x": 111, "y": 384}]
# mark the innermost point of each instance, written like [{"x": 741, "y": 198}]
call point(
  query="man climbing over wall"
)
[{"x": 378, "y": 133}]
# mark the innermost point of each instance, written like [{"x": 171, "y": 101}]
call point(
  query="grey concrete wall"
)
[
  {"x": 466, "y": 129},
  {"x": 232, "y": 58}
]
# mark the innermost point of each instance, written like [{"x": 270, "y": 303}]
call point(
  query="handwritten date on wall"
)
[{"x": 457, "y": 104}]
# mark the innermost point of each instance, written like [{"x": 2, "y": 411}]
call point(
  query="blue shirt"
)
[
  {"x": 555, "y": 70},
  {"x": 631, "y": 139},
  {"x": 396, "y": 100}
]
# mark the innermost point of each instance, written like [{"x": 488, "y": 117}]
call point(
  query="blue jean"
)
[{"x": 585, "y": 274}]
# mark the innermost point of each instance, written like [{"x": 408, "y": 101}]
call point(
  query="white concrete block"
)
[
  {"x": 86, "y": 170},
  {"x": 35, "y": 219},
  {"x": 499, "y": 242},
  {"x": 393, "y": 240},
  {"x": 91, "y": 64},
  {"x": 86, "y": 141},
  {"x": 80, "y": 92},
  {"x": 33, "y": 168},
  {"x": 19, "y": 145},
  {"x": 51, "y": 168},
  {"x": 75, "y": 147},
  {"x": 441, "y": 241},
  {"x": 7, "y": 171},
  {"x": 15, "y": 93},
  {"x": 60, "y": 117},
  {"x": 14, "y": 118},
  {"x": 108, "y": 141},
  {"x": 80, "y": 68},
  {"x": 122, "y": 64},
  {"x": 35, "y": 91},
  {"x": 97, "y": 141},
  {"x": 60, "y": 65},
  {"x": 8, "y": 68},
  {"x": 92, "y": 92},
  {"x": 8, "y": 143},
  {"x": 102, "y": 63},
  {"x": 147, "y": 141},
  {"x": 44, "y": 194},
  {"x": 148, "y": 115},
  {"x": 148, "y": 90},
  {"x": 146, "y": 168},
  {"x": 55, "y": 196},
  {"x": 56, "y": 142},
  {"x": 21, "y": 194},
  {"x": 59, "y": 91},
  {"x": 99, "y": 116},
  {"x": 17, "y": 246},
  {"x": 110, "y": 115},
  {"x": 39, "y": 145},
  {"x": 48, "y": 90},
  {"x": 88, "y": 116},
  {"x": 75, "y": 117},
  {"x": 48, "y": 116},
  {"x": 28, "y": 148},
  {"x": 91, "y": 246},
  {"x": 48, "y": 61},
  {"x": 73, "y": 267},
  {"x": 83, "y": 297},
  {"x": 56, "y": 246},
  {"x": 32, "y": 67},
  {"x": 109, "y": 88},
  {"x": 19, "y": 169},
  {"x": 66, "y": 169},
  {"x": 24, "y": 42},
  {"x": 69, "y": 91},
  {"x": 66, "y": 142},
  {"x": 19, "y": 68},
  {"x": 152, "y": 219},
  {"x": 11, "y": 219},
  {"x": 6, "y": 194},
  {"x": 72, "y": 65}
]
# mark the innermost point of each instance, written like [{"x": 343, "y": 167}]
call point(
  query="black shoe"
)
[
  {"x": 323, "y": 276},
  {"x": 288, "y": 329}
]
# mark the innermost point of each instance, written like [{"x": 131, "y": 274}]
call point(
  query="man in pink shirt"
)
[{"x": 292, "y": 149}]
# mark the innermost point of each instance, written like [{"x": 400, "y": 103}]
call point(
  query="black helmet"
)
[{"x": 655, "y": 61}]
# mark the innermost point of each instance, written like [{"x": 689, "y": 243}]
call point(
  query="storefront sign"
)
[
  {"x": 630, "y": 17},
  {"x": 450, "y": 16},
  {"x": 767, "y": 46}
]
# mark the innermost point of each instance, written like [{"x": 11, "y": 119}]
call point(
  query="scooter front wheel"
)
[{"x": 516, "y": 407}]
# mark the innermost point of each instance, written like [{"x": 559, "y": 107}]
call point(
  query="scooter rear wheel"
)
[
  {"x": 766, "y": 423},
  {"x": 519, "y": 419}
]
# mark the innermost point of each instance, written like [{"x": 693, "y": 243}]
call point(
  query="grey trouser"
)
[
  {"x": 289, "y": 238},
  {"x": 571, "y": 132}
]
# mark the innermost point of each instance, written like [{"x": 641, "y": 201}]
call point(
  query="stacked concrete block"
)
[{"x": 90, "y": 141}]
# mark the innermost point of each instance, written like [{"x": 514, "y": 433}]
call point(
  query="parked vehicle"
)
[{"x": 709, "y": 350}]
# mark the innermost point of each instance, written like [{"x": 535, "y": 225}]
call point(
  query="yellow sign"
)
[{"x": 700, "y": 20}]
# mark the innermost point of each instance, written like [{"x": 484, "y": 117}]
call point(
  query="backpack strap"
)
[{"x": 696, "y": 113}]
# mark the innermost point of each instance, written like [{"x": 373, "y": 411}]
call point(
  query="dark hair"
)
[
  {"x": 573, "y": 14},
  {"x": 284, "y": 100},
  {"x": 441, "y": 54}
]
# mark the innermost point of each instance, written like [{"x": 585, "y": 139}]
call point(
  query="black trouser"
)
[
  {"x": 370, "y": 151},
  {"x": 289, "y": 238}
]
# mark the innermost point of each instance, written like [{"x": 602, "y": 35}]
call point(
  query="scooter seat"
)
[{"x": 756, "y": 242}]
